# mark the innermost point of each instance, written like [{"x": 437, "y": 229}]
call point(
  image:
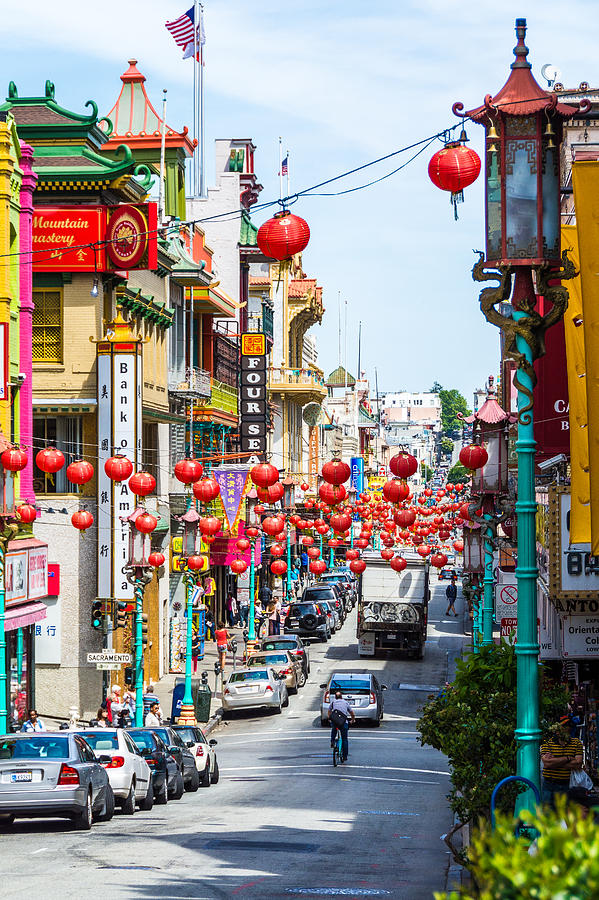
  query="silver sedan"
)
[
  {"x": 52, "y": 775},
  {"x": 255, "y": 689}
]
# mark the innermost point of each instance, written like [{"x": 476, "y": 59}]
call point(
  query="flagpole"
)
[
  {"x": 196, "y": 132},
  {"x": 288, "y": 188},
  {"x": 280, "y": 168},
  {"x": 161, "y": 185},
  {"x": 202, "y": 167}
]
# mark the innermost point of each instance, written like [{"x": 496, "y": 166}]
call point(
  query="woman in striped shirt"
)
[{"x": 560, "y": 755}]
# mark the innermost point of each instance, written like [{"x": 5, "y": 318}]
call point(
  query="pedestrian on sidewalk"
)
[
  {"x": 154, "y": 717},
  {"x": 451, "y": 592},
  {"x": 195, "y": 650},
  {"x": 33, "y": 723},
  {"x": 244, "y": 611},
  {"x": 222, "y": 641},
  {"x": 265, "y": 595},
  {"x": 209, "y": 625},
  {"x": 274, "y": 619},
  {"x": 102, "y": 718},
  {"x": 560, "y": 755},
  {"x": 304, "y": 564},
  {"x": 231, "y": 607},
  {"x": 149, "y": 698}
]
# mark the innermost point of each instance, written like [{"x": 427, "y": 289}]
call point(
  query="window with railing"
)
[
  {"x": 47, "y": 326},
  {"x": 64, "y": 433}
]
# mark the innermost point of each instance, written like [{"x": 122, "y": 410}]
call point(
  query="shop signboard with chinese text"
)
[
  {"x": 48, "y": 634},
  {"x": 252, "y": 400},
  {"x": 38, "y": 572}
]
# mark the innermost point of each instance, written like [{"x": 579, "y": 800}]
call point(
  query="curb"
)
[{"x": 213, "y": 722}]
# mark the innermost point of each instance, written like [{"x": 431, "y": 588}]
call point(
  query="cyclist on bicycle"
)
[{"x": 340, "y": 713}]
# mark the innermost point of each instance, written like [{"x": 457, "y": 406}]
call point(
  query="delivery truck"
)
[{"x": 393, "y": 607}]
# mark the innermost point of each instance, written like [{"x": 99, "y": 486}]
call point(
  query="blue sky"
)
[{"x": 343, "y": 83}]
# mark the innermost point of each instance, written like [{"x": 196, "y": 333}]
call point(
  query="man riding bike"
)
[{"x": 340, "y": 713}]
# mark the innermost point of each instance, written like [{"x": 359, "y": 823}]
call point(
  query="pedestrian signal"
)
[
  {"x": 97, "y": 614},
  {"x": 121, "y": 614}
]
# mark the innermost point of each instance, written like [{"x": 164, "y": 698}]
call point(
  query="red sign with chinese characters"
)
[{"x": 551, "y": 410}]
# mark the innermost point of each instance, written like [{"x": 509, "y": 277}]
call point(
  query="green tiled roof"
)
[
  {"x": 154, "y": 310},
  {"x": 339, "y": 378},
  {"x": 247, "y": 232}
]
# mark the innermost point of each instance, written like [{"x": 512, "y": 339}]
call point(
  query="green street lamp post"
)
[
  {"x": 252, "y": 532},
  {"x": 193, "y": 563},
  {"x": 288, "y": 505},
  {"x": 139, "y": 573},
  {"x": 523, "y": 130}
]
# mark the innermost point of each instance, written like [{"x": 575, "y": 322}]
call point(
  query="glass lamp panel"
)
[
  {"x": 521, "y": 198},
  {"x": 473, "y": 561},
  {"x": 190, "y": 540},
  {"x": 491, "y": 473},
  {"x": 551, "y": 212},
  {"x": 493, "y": 187},
  {"x": 138, "y": 547}
]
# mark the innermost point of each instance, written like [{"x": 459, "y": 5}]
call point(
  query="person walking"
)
[
  {"x": 231, "y": 607},
  {"x": 33, "y": 723},
  {"x": 304, "y": 558},
  {"x": 244, "y": 610},
  {"x": 451, "y": 592},
  {"x": 560, "y": 755},
  {"x": 149, "y": 698},
  {"x": 195, "y": 650},
  {"x": 222, "y": 642},
  {"x": 209, "y": 625},
  {"x": 154, "y": 717},
  {"x": 274, "y": 618},
  {"x": 102, "y": 718}
]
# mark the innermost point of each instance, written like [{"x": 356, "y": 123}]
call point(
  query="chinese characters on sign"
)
[
  {"x": 253, "y": 397},
  {"x": 233, "y": 483}
]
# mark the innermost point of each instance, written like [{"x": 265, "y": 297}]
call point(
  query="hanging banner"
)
[
  {"x": 252, "y": 400},
  {"x": 233, "y": 484}
]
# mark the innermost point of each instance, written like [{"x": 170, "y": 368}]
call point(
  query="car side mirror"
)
[
  {"x": 189, "y": 744},
  {"x": 213, "y": 743},
  {"x": 384, "y": 687}
]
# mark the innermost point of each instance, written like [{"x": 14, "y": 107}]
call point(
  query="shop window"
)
[
  {"x": 47, "y": 326},
  {"x": 19, "y": 645},
  {"x": 65, "y": 433}
]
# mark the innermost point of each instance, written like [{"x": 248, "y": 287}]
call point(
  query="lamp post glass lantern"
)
[
  {"x": 288, "y": 504},
  {"x": 190, "y": 520},
  {"x": 139, "y": 573}
]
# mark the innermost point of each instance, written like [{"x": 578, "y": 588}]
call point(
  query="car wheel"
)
[
  {"x": 83, "y": 821},
  {"x": 7, "y": 820},
  {"x": 178, "y": 789},
  {"x": 162, "y": 795},
  {"x": 148, "y": 802},
  {"x": 302, "y": 679},
  {"x": 128, "y": 804},
  {"x": 286, "y": 700},
  {"x": 206, "y": 780},
  {"x": 216, "y": 774},
  {"x": 376, "y": 723},
  {"x": 194, "y": 782},
  {"x": 109, "y": 804}
]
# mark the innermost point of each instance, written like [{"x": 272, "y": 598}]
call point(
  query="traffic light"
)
[
  {"x": 144, "y": 630},
  {"x": 121, "y": 614},
  {"x": 97, "y": 614},
  {"x": 129, "y": 675}
]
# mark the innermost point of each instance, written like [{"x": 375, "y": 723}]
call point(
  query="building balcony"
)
[
  {"x": 222, "y": 407},
  {"x": 302, "y": 385},
  {"x": 194, "y": 384}
]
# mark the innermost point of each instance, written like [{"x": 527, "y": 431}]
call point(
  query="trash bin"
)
[{"x": 202, "y": 701}]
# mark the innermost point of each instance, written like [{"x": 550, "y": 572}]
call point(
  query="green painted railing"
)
[{"x": 224, "y": 396}]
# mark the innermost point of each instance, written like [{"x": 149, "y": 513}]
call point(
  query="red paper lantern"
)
[
  {"x": 387, "y": 554},
  {"x": 146, "y": 523},
  {"x": 80, "y": 472},
  {"x": 305, "y": 486},
  {"x": 242, "y": 545},
  {"x": 188, "y": 470},
  {"x": 438, "y": 560},
  {"x": 26, "y": 513},
  {"x": 313, "y": 552},
  {"x": 404, "y": 517},
  {"x": 352, "y": 554},
  {"x": 473, "y": 456},
  {"x": 362, "y": 542},
  {"x": 252, "y": 532},
  {"x": 336, "y": 472},
  {"x": 50, "y": 460},
  {"x": 82, "y": 519},
  {"x": 357, "y": 566},
  {"x": 278, "y": 567},
  {"x": 14, "y": 459},
  {"x": 277, "y": 550},
  {"x": 283, "y": 236},
  {"x": 458, "y": 546},
  {"x": 210, "y": 525},
  {"x": 264, "y": 474},
  {"x": 272, "y": 525},
  {"x": 340, "y": 522},
  {"x": 334, "y": 542},
  {"x": 332, "y": 493},
  {"x": 454, "y": 167},
  {"x": 307, "y": 540},
  {"x": 118, "y": 468},
  {"x": 156, "y": 559},
  {"x": 398, "y": 563},
  {"x": 196, "y": 563},
  {"x": 206, "y": 490},
  {"x": 318, "y": 566},
  {"x": 395, "y": 491},
  {"x": 423, "y": 550},
  {"x": 209, "y": 538},
  {"x": 142, "y": 484},
  {"x": 239, "y": 566},
  {"x": 272, "y": 493},
  {"x": 403, "y": 465}
]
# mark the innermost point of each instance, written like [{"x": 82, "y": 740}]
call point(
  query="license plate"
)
[
  {"x": 250, "y": 689},
  {"x": 390, "y": 637},
  {"x": 293, "y": 622},
  {"x": 21, "y": 776}
]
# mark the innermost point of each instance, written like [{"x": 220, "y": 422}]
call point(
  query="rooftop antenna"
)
[
  {"x": 345, "y": 347},
  {"x": 551, "y": 74},
  {"x": 359, "y": 348}
]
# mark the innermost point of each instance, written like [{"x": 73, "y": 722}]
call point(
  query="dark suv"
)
[
  {"x": 328, "y": 593},
  {"x": 308, "y": 620}
]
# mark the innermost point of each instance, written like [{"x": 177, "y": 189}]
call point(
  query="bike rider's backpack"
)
[{"x": 338, "y": 718}]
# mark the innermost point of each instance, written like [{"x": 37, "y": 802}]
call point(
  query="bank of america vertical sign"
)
[
  {"x": 119, "y": 432},
  {"x": 253, "y": 397}
]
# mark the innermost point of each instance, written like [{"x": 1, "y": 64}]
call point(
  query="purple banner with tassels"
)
[{"x": 233, "y": 483}]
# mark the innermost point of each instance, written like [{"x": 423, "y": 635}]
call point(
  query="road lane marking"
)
[
  {"x": 41, "y": 850},
  {"x": 308, "y": 736},
  {"x": 311, "y": 766}
]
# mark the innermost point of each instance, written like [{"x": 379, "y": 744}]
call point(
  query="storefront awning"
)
[{"x": 26, "y": 614}]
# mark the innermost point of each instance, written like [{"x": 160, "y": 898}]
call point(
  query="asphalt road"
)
[{"x": 282, "y": 822}]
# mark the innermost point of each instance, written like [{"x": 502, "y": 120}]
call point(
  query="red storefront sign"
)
[
  {"x": 94, "y": 238},
  {"x": 551, "y": 410}
]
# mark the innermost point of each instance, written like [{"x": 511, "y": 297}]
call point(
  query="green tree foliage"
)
[
  {"x": 452, "y": 403},
  {"x": 458, "y": 474},
  {"x": 446, "y": 445},
  {"x": 563, "y": 866},
  {"x": 436, "y": 387},
  {"x": 473, "y": 724},
  {"x": 427, "y": 472}
]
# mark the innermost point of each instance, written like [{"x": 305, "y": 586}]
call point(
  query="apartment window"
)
[
  {"x": 47, "y": 326},
  {"x": 65, "y": 433}
]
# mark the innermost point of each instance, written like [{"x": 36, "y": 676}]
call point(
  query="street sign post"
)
[{"x": 108, "y": 656}]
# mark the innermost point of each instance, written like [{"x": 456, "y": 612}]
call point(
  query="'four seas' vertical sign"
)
[{"x": 119, "y": 432}]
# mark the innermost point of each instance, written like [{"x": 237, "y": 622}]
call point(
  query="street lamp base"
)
[{"x": 187, "y": 715}]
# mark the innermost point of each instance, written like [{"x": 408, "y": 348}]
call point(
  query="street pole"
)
[
  {"x": 187, "y": 713},
  {"x": 288, "y": 586},
  {"x": 139, "y": 665},
  {"x": 488, "y": 585},
  {"x": 251, "y": 618}
]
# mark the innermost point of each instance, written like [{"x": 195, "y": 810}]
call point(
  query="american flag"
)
[
  {"x": 285, "y": 167},
  {"x": 182, "y": 30}
]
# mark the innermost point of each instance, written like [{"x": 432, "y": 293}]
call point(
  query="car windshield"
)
[
  {"x": 45, "y": 747},
  {"x": 322, "y": 594},
  {"x": 107, "y": 741},
  {"x": 145, "y": 740},
  {"x": 258, "y": 675},
  {"x": 268, "y": 659},
  {"x": 301, "y": 609},
  {"x": 350, "y": 685},
  {"x": 280, "y": 645},
  {"x": 163, "y": 733}
]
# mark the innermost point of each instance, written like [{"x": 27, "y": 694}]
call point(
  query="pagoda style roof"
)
[
  {"x": 67, "y": 148},
  {"x": 521, "y": 95},
  {"x": 340, "y": 377},
  {"x": 135, "y": 120}
]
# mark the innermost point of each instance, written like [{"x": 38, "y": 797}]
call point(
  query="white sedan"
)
[
  {"x": 129, "y": 775},
  {"x": 254, "y": 689},
  {"x": 203, "y": 751}
]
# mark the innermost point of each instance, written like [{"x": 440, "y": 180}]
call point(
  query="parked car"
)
[
  {"x": 332, "y": 614},
  {"x": 167, "y": 780},
  {"x": 345, "y": 582},
  {"x": 362, "y": 691},
  {"x": 284, "y": 663},
  {"x": 203, "y": 751},
  {"x": 184, "y": 759},
  {"x": 53, "y": 775},
  {"x": 255, "y": 689},
  {"x": 290, "y": 642},
  {"x": 308, "y": 620},
  {"x": 128, "y": 773},
  {"x": 449, "y": 572},
  {"x": 329, "y": 593}
]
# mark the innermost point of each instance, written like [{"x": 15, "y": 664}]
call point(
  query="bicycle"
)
[{"x": 337, "y": 749}]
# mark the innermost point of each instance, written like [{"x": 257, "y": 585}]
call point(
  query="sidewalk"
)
[{"x": 164, "y": 688}]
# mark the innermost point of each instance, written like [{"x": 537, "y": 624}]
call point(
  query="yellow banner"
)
[
  {"x": 585, "y": 176},
  {"x": 580, "y": 514}
]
